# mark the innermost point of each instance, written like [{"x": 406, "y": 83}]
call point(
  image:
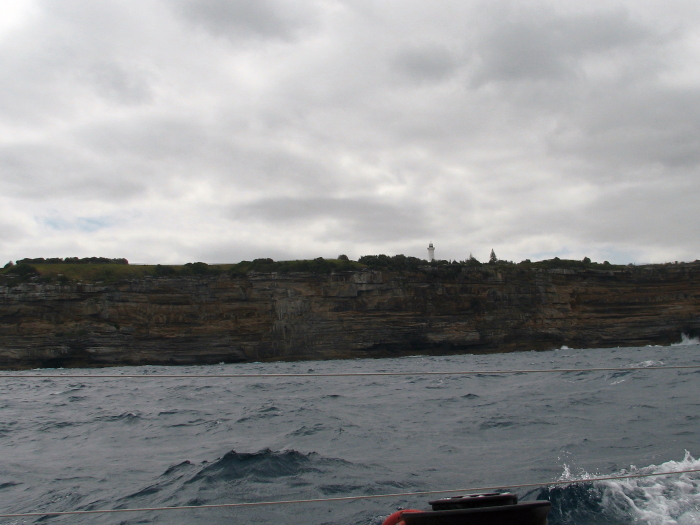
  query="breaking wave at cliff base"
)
[{"x": 687, "y": 340}]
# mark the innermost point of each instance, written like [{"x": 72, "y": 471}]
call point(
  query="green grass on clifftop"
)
[{"x": 91, "y": 272}]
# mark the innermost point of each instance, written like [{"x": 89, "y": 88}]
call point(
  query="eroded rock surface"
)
[{"x": 265, "y": 317}]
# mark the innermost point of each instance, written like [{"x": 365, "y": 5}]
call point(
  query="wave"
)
[
  {"x": 307, "y": 431},
  {"x": 261, "y": 476},
  {"x": 647, "y": 363},
  {"x": 500, "y": 422},
  {"x": 664, "y": 500},
  {"x": 128, "y": 417},
  {"x": 256, "y": 466},
  {"x": 263, "y": 412},
  {"x": 687, "y": 340},
  {"x": 236, "y": 476}
]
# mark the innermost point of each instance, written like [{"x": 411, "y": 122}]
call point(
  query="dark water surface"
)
[{"x": 95, "y": 443}]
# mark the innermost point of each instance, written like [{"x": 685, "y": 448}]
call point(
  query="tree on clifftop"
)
[
  {"x": 492, "y": 258},
  {"x": 472, "y": 261}
]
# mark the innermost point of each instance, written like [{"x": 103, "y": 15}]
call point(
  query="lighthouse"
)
[{"x": 431, "y": 252}]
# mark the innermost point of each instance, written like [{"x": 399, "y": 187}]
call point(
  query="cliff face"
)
[{"x": 265, "y": 317}]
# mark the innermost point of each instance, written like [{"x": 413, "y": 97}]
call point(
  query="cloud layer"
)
[{"x": 180, "y": 130}]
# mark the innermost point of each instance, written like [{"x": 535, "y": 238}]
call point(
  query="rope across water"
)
[{"x": 344, "y": 498}]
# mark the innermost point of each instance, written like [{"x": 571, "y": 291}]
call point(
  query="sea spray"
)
[{"x": 670, "y": 499}]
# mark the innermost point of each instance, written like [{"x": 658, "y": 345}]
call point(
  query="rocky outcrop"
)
[{"x": 263, "y": 317}]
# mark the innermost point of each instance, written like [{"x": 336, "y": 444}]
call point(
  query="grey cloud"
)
[
  {"x": 237, "y": 19},
  {"x": 634, "y": 128},
  {"x": 543, "y": 46},
  {"x": 658, "y": 212},
  {"x": 425, "y": 63},
  {"x": 354, "y": 219},
  {"x": 487, "y": 124},
  {"x": 216, "y": 153},
  {"x": 152, "y": 138},
  {"x": 30, "y": 87},
  {"x": 43, "y": 171},
  {"x": 623, "y": 217},
  {"x": 118, "y": 84},
  {"x": 10, "y": 232},
  {"x": 71, "y": 52}
]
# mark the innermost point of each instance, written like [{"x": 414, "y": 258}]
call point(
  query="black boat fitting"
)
[{"x": 478, "y": 509}]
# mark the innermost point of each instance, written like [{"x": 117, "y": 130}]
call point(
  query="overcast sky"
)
[{"x": 220, "y": 130}]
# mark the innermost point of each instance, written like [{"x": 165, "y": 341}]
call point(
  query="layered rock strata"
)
[{"x": 264, "y": 317}]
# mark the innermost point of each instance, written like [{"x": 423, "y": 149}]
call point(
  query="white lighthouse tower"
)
[{"x": 431, "y": 252}]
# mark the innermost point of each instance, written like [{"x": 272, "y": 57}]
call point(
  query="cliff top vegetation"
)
[
  {"x": 70, "y": 260},
  {"x": 100, "y": 269}
]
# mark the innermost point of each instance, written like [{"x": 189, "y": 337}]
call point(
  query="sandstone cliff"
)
[{"x": 262, "y": 317}]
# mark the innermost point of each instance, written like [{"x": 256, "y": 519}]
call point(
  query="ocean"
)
[{"x": 139, "y": 440}]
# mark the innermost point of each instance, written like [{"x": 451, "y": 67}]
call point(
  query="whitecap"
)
[{"x": 686, "y": 340}]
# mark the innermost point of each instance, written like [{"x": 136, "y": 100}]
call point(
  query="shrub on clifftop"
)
[
  {"x": 164, "y": 270},
  {"x": 73, "y": 260},
  {"x": 317, "y": 266},
  {"x": 398, "y": 262},
  {"x": 199, "y": 268},
  {"x": 23, "y": 270}
]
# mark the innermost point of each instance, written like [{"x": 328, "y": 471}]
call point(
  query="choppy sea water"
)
[{"x": 142, "y": 441}]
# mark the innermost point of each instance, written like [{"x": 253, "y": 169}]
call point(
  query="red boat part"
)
[{"x": 397, "y": 517}]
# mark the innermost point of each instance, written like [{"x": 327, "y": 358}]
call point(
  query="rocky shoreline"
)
[{"x": 349, "y": 314}]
